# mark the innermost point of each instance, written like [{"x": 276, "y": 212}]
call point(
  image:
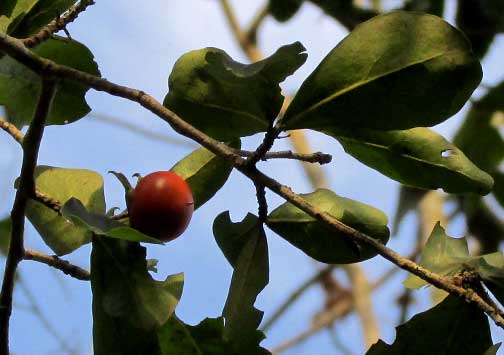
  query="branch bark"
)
[
  {"x": 57, "y": 263},
  {"x": 31, "y": 144},
  {"x": 14, "y": 48},
  {"x": 57, "y": 24}
]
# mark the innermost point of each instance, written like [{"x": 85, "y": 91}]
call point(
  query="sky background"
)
[{"x": 136, "y": 44}]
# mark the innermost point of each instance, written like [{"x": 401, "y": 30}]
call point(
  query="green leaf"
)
[
  {"x": 448, "y": 256},
  {"x": 206, "y": 338},
  {"x": 19, "y": 86},
  {"x": 5, "y": 230},
  {"x": 283, "y": 10},
  {"x": 396, "y": 71},
  {"x": 12, "y": 12},
  {"x": 452, "y": 327},
  {"x": 129, "y": 306},
  {"x": 322, "y": 243},
  {"x": 76, "y": 212},
  {"x": 205, "y": 173},
  {"x": 226, "y": 99},
  {"x": 442, "y": 254},
  {"x": 479, "y": 137},
  {"x": 40, "y": 15},
  {"x": 417, "y": 157},
  {"x": 244, "y": 245},
  {"x": 58, "y": 233}
]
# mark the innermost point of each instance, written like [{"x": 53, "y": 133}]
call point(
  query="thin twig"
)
[
  {"x": 243, "y": 39},
  {"x": 361, "y": 293},
  {"x": 339, "y": 310},
  {"x": 58, "y": 24},
  {"x": 14, "y": 48},
  {"x": 251, "y": 33},
  {"x": 39, "y": 196},
  {"x": 141, "y": 131},
  {"x": 317, "y": 157},
  {"x": 12, "y": 130},
  {"x": 57, "y": 263},
  {"x": 35, "y": 309},
  {"x": 294, "y": 296},
  {"x": 31, "y": 144}
]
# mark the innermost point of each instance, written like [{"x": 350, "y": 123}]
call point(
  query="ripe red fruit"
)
[{"x": 161, "y": 205}]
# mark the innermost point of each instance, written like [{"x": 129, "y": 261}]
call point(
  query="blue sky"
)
[{"x": 137, "y": 45}]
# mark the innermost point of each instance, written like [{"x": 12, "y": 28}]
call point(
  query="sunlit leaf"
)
[
  {"x": 205, "y": 173},
  {"x": 76, "y": 212},
  {"x": 417, "y": 157},
  {"x": 396, "y": 71},
  {"x": 40, "y": 15},
  {"x": 19, "y": 86},
  {"x": 61, "y": 235},
  {"x": 322, "y": 243},
  {"x": 226, "y": 99},
  {"x": 448, "y": 256}
]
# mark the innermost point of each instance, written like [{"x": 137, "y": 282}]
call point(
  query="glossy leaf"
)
[
  {"x": 283, "y": 10},
  {"x": 207, "y": 338},
  {"x": 321, "y": 243},
  {"x": 417, "y": 157},
  {"x": 58, "y": 233},
  {"x": 205, "y": 173},
  {"x": 396, "y": 71},
  {"x": 19, "y": 86},
  {"x": 129, "y": 306},
  {"x": 245, "y": 247},
  {"x": 40, "y": 15},
  {"x": 452, "y": 327},
  {"x": 77, "y": 213},
  {"x": 227, "y": 99},
  {"x": 449, "y": 256},
  {"x": 5, "y": 229}
]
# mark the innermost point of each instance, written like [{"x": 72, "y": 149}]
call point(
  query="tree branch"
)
[
  {"x": 57, "y": 24},
  {"x": 244, "y": 41},
  {"x": 44, "y": 66},
  {"x": 317, "y": 157},
  {"x": 31, "y": 144},
  {"x": 251, "y": 33},
  {"x": 12, "y": 130},
  {"x": 38, "y": 195},
  {"x": 57, "y": 263},
  {"x": 340, "y": 309}
]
